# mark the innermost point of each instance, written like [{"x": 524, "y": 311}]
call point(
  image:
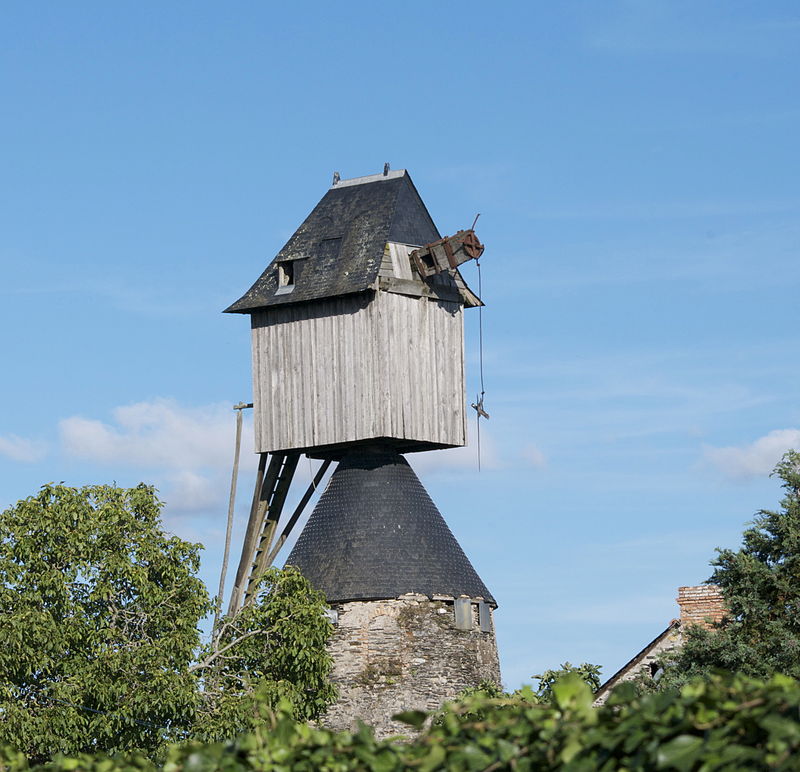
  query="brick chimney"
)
[{"x": 702, "y": 605}]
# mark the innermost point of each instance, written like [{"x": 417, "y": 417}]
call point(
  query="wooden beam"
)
[
  {"x": 270, "y": 514},
  {"x": 416, "y": 288},
  {"x": 264, "y": 482},
  {"x": 281, "y": 540}
]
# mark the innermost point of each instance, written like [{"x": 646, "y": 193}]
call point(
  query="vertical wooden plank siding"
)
[
  {"x": 343, "y": 369},
  {"x": 401, "y": 265}
]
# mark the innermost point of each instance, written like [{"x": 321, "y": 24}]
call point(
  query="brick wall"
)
[{"x": 701, "y": 605}]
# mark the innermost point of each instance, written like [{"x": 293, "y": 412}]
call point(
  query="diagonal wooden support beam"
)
[
  {"x": 281, "y": 540},
  {"x": 265, "y": 483},
  {"x": 270, "y": 512}
]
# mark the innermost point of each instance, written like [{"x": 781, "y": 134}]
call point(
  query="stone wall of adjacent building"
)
[
  {"x": 701, "y": 605},
  {"x": 403, "y": 654},
  {"x": 645, "y": 662}
]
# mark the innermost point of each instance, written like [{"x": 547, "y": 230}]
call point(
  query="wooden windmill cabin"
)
[
  {"x": 358, "y": 358},
  {"x": 350, "y": 342}
]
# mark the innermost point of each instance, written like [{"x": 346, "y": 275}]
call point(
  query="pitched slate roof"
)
[
  {"x": 376, "y": 534},
  {"x": 340, "y": 245}
]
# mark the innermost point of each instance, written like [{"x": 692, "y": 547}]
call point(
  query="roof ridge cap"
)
[{"x": 390, "y": 175}]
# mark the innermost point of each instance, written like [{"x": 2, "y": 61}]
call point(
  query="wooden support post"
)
[
  {"x": 281, "y": 540},
  {"x": 251, "y": 534},
  {"x": 270, "y": 515}
]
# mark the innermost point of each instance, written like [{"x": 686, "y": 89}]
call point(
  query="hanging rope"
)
[
  {"x": 478, "y": 404},
  {"x": 480, "y": 331}
]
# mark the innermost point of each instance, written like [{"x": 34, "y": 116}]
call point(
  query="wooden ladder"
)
[{"x": 272, "y": 485}]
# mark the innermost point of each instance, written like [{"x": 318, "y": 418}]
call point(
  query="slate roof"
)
[
  {"x": 339, "y": 246},
  {"x": 375, "y": 534}
]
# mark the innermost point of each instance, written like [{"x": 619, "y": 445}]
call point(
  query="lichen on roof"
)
[{"x": 339, "y": 247}]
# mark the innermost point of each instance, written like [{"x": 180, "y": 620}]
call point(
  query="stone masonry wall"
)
[
  {"x": 700, "y": 605},
  {"x": 645, "y": 663},
  {"x": 403, "y": 654}
]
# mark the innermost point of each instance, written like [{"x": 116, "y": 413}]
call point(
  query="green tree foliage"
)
[
  {"x": 589, "y": 674},
  {"x": 724, "y": 723},
  {"x": 761, "y": 586},
  {"x": 272, "y": 651},
  {"x": 487, "y": 690},
  {"x": 99, "y": 642},
  {"x": 100, "y": 612}
]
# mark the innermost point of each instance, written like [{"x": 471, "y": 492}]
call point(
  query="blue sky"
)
[{"x": 636, "y": 169}]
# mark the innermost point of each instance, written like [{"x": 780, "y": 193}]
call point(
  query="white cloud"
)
[
  {"x": 458, "y": 459},
  {"x": 533, "y": 456},
  {"x": 21, "y": 449},
  {"x": 160, "y": 434},
  {"x": 190, "y": 491},
  {"x": 756, "y": 459},
  {"x": 188, "y": 451},
  {"x": 465, "y": 460}
]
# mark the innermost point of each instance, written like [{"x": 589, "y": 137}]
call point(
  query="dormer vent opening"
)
[{"x": 285, "y": 277}]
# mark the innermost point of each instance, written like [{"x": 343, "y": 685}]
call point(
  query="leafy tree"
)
[
  {"x": 273, "y": 651},
  {"x": 589, "y": 674},
  {"x": 723, "y": 723},
  {"x": 760, "y": 582},
  {"x": 487, "y": 696},
  {"x": 100, "y": 612},
  {"x": 99, "y": 643}
]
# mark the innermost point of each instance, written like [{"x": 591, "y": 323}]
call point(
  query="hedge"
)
[{"x": 723, "y": 723}]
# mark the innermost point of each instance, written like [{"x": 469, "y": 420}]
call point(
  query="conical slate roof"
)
[
  {"x": 339, "y": 247},
  {"x": 376, "y": 534}
]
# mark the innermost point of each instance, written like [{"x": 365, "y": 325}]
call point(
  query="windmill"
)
[{"x": 358, "y": 359}]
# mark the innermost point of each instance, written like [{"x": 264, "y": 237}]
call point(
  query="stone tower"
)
[
  {"x": 393, "y": 572},
  {"x": 358, "y": 358}
]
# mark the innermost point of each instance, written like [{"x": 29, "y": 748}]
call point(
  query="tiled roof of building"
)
[
  {"x": 339, "y": 247},
  {"x": 375, "y": 534}
]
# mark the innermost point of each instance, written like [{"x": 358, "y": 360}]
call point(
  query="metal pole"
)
[{"x": 231, "y": 502}]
